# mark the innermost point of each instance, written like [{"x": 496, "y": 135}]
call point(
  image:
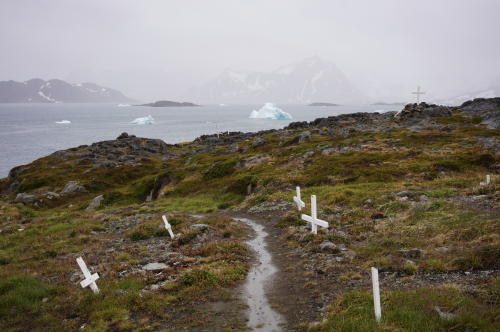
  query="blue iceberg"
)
[
  {"x": 142, "y": 121},
  {"x": 270, "y": 112}
]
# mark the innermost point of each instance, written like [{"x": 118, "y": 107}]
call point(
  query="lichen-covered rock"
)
[
  {"x": 199, "y": 227},
  {"x": 24, "y": 198},
  {"x": 259, "y": 142},
  {"x": 95, "y": 203},
  {"x": 72, "y": 187},
  {"x": 329, "y": 247}
]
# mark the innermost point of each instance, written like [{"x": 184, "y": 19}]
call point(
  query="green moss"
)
[{"x": 220, "y": 170}]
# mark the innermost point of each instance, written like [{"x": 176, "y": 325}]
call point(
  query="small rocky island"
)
[
  {"x": 323, "y": 104},
  {"x": 384, "y": 103},
  {"x": 166, "y": 103}
]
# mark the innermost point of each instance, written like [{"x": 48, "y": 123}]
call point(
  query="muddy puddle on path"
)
[{"x": 259, "y": 277}]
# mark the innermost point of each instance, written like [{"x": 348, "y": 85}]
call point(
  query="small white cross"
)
[
  {"x": 216, "y": 127},
  {"x": 484, "y": 184},
  {"x": 314, "y": 218},
  {"x": 228, "y": 130},
  {"x": 297, "y": 200},
  {"x": 168, "y": 227},
  {"x": 418, "y": 93},
  {"x": 89, "y": 279}
]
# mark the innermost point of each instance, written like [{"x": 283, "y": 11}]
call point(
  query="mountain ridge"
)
[{"x": 37, "y": 90}]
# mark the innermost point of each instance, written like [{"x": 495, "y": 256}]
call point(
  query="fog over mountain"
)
[
  {"x": 144, "y": 85},
  {"x": 312, "y": 79},
  {"x": 158, "y": 49}
]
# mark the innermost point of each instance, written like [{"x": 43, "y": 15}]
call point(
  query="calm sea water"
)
[{"x": 30, "y": 131}]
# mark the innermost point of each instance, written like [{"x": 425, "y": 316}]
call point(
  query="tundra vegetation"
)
[{"x": 401, "y": 194}]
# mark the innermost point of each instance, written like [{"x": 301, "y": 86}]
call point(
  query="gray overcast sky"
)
[{"x": 433, "y": 42}]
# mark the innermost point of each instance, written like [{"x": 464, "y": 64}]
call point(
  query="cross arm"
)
[{"x": 318, "y": 222}]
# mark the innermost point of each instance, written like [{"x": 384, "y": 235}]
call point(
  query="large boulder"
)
[
  {"x": 72, "y": 187},
  {"x": 24, "y": 198},
  {"x": 259, "y": 142},
  {"x": 424, "y": 110},
  {"x": 95, "y": 203}
]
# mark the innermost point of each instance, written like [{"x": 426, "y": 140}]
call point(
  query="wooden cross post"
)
[
  {"x": 313, "y": 219},
  {"x": 376, "y": 295},
  {"x": 297, "y": 200},
  {"x": 89, "y": 279},
  {"x": 168, "y": 227},
  {"x": 418, "y": 93}
]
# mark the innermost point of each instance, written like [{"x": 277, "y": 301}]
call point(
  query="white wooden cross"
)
[
  {"x": 216, "y": 127},
  {"x": 228, "y": 130},
  {"x": 297, "y": 200},
  {"x": 168, "y": 227},
  {"x": 376, "y": 295},
  {"x": 313, "y": 219},
  {"x": 418, "y": 93},
  {"x": 484, "y": 184},
  {"x": 89, "y": 278}
]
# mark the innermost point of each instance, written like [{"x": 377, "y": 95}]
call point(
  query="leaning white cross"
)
[
  {"x": 484, "y": 184},
  {"x": 89, "y": 278},
  {"x": 297, "y": 200},
  {"x": 376, "y": 295},
  {"x": 168, "y": 227},
  {"x": 313, "y": 219},
  {"x": 418, "y": 93}
]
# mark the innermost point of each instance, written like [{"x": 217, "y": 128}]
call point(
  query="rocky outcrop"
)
[
  {"x": 424, "y": 110},
  {"x": 488, "y": 109}
]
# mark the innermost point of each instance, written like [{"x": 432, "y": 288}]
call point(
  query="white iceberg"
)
[
  {"x": 223, "y": 105},
  {"x": 63, "y": 121},
  {"x": 270, "y": 112},
  {"x": 123, "y": 105},
  {"x": 142, "y": 121}
]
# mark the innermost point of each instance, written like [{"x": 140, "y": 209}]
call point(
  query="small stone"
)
[
  {"x": 378, "y": 215},
  {"x": 403, "y": 199},
  {"x": 154, "y": 287},
  {"x": 479, "y": 197},
  {"x": 413, "y": 253},
  {"x": 45, "y": 299},
  {"x": 120, "y": 293},
  {"x": 410, "y": 262},
  {"x": 368, "y": 202},
  {"x": 329, "y": 247},
  {"x": 154, "y": 267},
  {"x": 95, "y": 203},
  {"x": 350, "y": 256},
  {"x": 441, "y": 249},
  {"x": 402, "y": 194},
  {"x": 259, "y": 142},
  {"x": 423, "y": 198},
  {"x": 445, "y": 315},
  {"x": 199, "y": 227}
]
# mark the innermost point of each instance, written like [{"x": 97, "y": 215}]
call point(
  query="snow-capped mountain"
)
[
  {"x": 311, "y": 80},
  {"x": 459, "y": 99},
  {"x": 489, "y": 89},
  {"x": 56, "y": 91},
  {"x": 142, "y": 84}
]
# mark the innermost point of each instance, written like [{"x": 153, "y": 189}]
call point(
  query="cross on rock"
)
[
  {"x": 216, "y": 127},
  {"x": 418, "y": 93},
  {"x": 168, "y": 227},
  {"x": 297, "y": 200},
  {"x": 89, "y": 279},
  {"x": 315, "y": 222}
]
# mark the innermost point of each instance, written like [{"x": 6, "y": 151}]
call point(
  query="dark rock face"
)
[{"x": 489, "y": 109}]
